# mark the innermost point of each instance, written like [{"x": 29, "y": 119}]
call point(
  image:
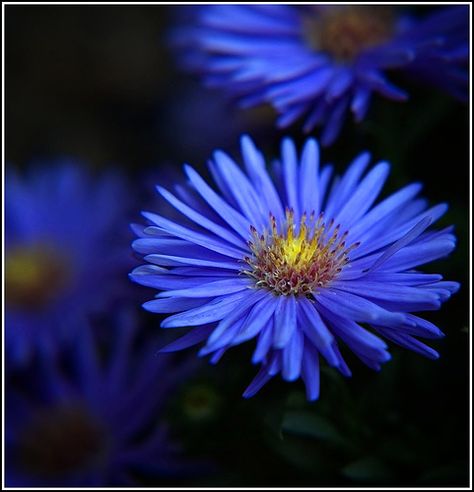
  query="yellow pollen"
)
[
  {"x": 299, "y": 258},
  {"x": 33, "y": 276},
  {"x": 345, "y": 31}
]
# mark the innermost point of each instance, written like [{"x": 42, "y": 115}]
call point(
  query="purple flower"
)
[
  {"x": 295, "y": 262},
  {"x": 316, "y": 63},
  {"x": 61, "y": 224},
  {"x": 94, "y": 417}
]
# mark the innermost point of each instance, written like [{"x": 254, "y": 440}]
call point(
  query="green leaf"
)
[
  {"x": 314, "y": 426},
  {"x": 370, "y": 469}
]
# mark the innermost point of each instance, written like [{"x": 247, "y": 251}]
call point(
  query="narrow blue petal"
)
[
  {"x": 340, "y": 83},
  {"x": 340, "y": 193},
  {"x": 242, "y": 190},
  {"x": 358, "y": 309},
  {"x": 230, "y": 215},
  {"x": 211, "y": 289},
  {"x": 393, "y": 230},
  {"x": 424, "y": 328},
  {"x": 258, "y": 382},
  {"x": 409, "y": 342},
  {"x": 310, "y": 372},
  {"x": 317, "y": 332},
  {"x": 334, "y": 121},
  {"x": 173, "y": 305},
  {"x": 257, "y": 320},
  {"x": 198, "y": 238},
  {"x": 285, "y": 321},
  {"x": 195, "y": 336},
  {"x": 168, "y": 260},
  {"x": 308, "y": 177},
  {"x": 413, "y": 298},
  {"x": 292, "y": 356},
  {"x": 419, "y": 254},
  {"x": 255, "y": 165},
  {"x": 213, "y": 311},
  {"x": 364, "y": 196},
  {"x": 201, "y": 220},
  {"x": 238, "y": 313},
  {"x": 225, "y": 331},
  {"x": 290, "y": 174},
  {"x": 360, "y": 103},
  {"x": 384, "y": 208},
  {"x": 264, "y": 343}
]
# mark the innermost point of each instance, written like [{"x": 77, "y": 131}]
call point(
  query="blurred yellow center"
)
[
  {"x": 60, "y": 440},
  {"x": 345, "y": 31},
  {"x": 299, "y": 258},
  {"x": 34, "y": 275}
]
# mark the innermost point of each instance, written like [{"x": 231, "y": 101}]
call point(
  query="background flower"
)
[
  {"x": 316, "y": 63},
  {"x": 64, "y": 251},
  {"x": 94, "y": 417},
  {"x": 299, "y": 268}
]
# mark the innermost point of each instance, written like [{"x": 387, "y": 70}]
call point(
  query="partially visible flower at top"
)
[
  {"x": 61, "y": 226},
  {"x": 295, "y": 263},
  {"x": 317, "y": 62},
  {"x": 98, "y": 420}
]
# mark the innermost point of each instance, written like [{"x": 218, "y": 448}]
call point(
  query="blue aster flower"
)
[
  {"x": 316, "y": 63},
  {"x": 60, "y": 224},
  {"x": 97, "y": 421},
  {"x": 295, "y": 263}
]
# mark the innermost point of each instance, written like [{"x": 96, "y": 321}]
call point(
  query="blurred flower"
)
[
  {"x": 317, "y": 62},
  {"x": 295, "y": 263},
  {"x": 98, "y": 420},
  {"x": 61, "y": 253}
]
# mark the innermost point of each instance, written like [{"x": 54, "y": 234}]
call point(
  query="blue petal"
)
[
  {"x": 310, "y": 372},
  {"x": 211, "y": 289},
  {"x": 201, "y": 220},
  {"x": 203, "y": 240},
  {"x": 230, "y": 215},
  {"x": 316, "y": 331},
  {"x": 264, "y": 343},
  {"x": 341, "y": 192},
  {"x": 213, "y": 311},
  {"x": 257, "y": 319},
  {"x": 285, "y": 321},
  {"x": 308, "y": 177},
  {"x": 292, "y": 356},
  {"x": 358, "y": 309},
  {"x": 363, "y": 197},
  {"x": 242, "y": 190},
  {"x": 258, "y": 382},
  {"x": 290, "y": 174},
  {"x": 173, "y": 305},
  {"x": 408, "y": 342},
  {"x": 195, "y": 336},
  {"x": 255, "y": 165}
]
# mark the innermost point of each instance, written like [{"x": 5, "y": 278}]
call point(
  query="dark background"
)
[{"x": 101, "y": 84}]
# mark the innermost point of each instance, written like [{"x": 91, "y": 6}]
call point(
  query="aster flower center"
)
[
  {"x": 344, "y": 32},
  {"x": 298, "y": 259},
  {"x": 34, "y": 275},
  {"x": 59, "y": 441}
]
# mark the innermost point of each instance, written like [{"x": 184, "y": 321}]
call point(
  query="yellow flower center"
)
[
  {"x": 60, "y": 440},
  {"x": 345, "y": 31},
  {"x": 34, "y": 275},
  {"x": 298, "y": 259}
]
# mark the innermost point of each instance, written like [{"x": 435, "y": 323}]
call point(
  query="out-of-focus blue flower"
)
[
  {"x": 318, "y": 62},
  {"x": 295, "y": 262},
  {"x": 62, "y": 252},
  {"x": 98, "y": 419}
]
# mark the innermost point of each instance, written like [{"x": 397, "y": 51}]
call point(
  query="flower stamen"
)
[
  {"x": 299, "y": 258},
  {"x": 344, "y": 32}
]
